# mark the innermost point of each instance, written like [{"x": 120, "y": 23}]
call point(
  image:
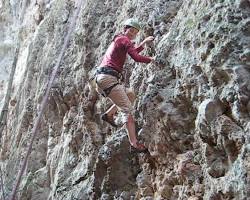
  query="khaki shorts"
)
[{"x": 118, "y": 95}]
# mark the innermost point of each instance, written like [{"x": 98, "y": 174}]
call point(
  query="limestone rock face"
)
[{"x": 192, "y": 108}]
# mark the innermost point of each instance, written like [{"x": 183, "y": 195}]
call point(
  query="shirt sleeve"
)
[
  {"x": 134, "y": 53},
  {"x": 139, "y": 48}
]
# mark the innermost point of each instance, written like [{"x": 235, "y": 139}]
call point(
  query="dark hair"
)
[{"x": 126, "y": 27}]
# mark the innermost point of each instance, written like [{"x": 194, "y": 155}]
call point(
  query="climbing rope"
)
[
  {"x": 1, "y": 182},
  {"x": 45, "y": 99},
  {"x": 3, "y": 115}
]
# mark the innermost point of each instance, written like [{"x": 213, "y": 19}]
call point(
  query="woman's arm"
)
[
  {"x": 141, "y": 45},
  {"x": 147, "y": 40}
]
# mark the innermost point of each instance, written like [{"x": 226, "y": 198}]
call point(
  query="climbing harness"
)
[
  {"x": 45, "y": 99},
  {"x": 106, "y": 91},
  {"x": 108, "y": 70}
]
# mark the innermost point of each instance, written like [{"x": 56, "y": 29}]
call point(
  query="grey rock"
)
[{"x": 194, "y": 98}]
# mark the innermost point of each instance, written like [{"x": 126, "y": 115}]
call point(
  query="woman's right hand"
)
[{"x": 153, "y": 59}]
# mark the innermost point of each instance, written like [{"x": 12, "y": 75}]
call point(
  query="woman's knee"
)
[{"x": 131, "y": 94}]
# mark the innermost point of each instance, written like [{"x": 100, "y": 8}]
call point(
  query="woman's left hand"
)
[{"x": 148, "y": 39}]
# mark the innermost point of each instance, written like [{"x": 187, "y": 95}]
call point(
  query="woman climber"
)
[{"x": 109, "y": 73}]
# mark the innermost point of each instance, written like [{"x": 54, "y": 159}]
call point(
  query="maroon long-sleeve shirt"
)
[{"x": 115, "y": 55}]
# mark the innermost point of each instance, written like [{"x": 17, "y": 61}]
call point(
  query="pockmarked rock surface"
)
[{"x": 192, "y": 108}]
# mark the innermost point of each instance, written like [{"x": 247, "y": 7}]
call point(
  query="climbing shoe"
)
[
  {"x": 108, "y": 119},
  {"x": 140, "y": 148}
]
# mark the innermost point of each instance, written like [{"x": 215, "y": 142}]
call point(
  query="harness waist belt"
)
[{"x": 109, "y": 71}]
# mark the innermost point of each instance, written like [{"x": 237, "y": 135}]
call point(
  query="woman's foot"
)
[
  {"x": 139, "y": 147},
  {"x": 108, "y": 119}
]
